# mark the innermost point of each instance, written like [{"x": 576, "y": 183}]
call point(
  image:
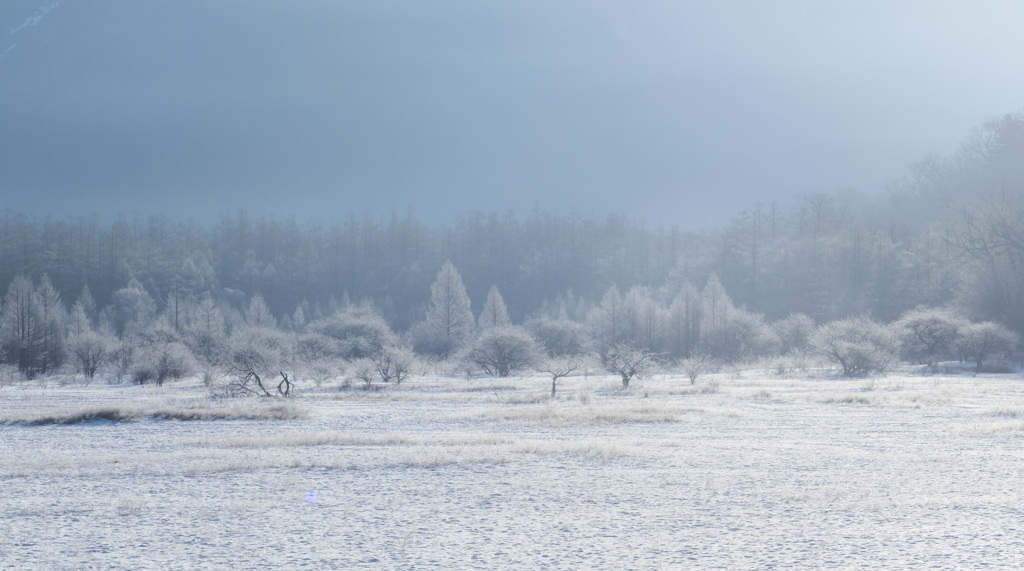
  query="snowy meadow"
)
[{"x": 743, "y": 469}]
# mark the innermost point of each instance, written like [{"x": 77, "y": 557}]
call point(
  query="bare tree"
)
[
  {"x": 394, "y": 364},
  {"x": 91, "y": 350},
  {"x": 560, "y": 367},
  {"x": 629, "y": 362},
  {"x": 927, "y": 335}
]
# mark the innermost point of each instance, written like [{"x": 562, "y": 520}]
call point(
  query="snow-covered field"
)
[{"x": 744, "y": 470}]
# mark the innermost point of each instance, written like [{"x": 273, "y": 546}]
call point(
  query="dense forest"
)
[{"x": 949, "y": 235}]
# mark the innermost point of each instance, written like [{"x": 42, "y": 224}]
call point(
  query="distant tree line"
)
[{"x": 947, "y": 239}]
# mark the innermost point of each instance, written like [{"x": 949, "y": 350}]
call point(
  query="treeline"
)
[{"x": 950, "y": 235}]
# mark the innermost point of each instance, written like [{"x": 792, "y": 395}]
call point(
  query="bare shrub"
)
[
  {"x": 91, "y": 350},
  {"x": 860, "y": 345},
  {"x": 363, "y": 370},
  {"x": 357, "y": 333},
  {"x": 394, "y": 364},
  {"x": 697, "y": 365}
]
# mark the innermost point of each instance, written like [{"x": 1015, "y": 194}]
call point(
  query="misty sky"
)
[{"x": 676, "y": 112}]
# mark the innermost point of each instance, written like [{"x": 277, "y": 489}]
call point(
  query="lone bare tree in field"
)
[
  {"x": 560, "y": 367},
  {"x": 629, "y": 362}
]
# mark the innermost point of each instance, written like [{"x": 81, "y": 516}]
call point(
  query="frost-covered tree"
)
[
  {"x": 716, "y": 309},
  {"x": 684, "y": 316},
  {"x": 979, "y": 341},
  {"x": 255, "y": 356},
  {"x": 91, "y": 350},
  {"x": 629, "y": 362},
  {"x": 560, "y": 337},
  {"x": 318, "y": 356},
  {"x": 503, "y": 350},
  {"x": 359, "y": 332},
  {"x": 644, "y": 319},
  {"x": 205, "y": 334},
  {"x": 794, "y": 333},
  {"x": 394, "y": 364},
  {"x": 861, "y": 346},
  {"x": 131, "y": 309},
  {"x": 928, "y": 335},
  {"x": 494, "y": 312},
  {"x": 21, "y": 326},
  {"x": 52, "y": 318},
  {"x": 607, "y": 320},
  {"x": 561, "y": 366},
  {"x": 746, "y": 336},
  {"x": 449, "y": 322},
  {"x": 163, "y": 360},
  {"x": 258, "y": 314}
]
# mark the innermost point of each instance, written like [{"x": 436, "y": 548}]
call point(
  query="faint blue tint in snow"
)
[{"x": 311, "y": 498}]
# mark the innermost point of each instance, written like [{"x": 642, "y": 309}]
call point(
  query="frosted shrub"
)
[
  {"x": 172, "y": 361},
  {"x": 317, "y": 356},
  {"x": 255, "y": 356},
  {"x": 361, "y": 370},
  {"x": 927, "y": 335},
  {"x": 978, "y": 341},
  {"x": 91, "y": 350},
  {"x": 503, "y": 350},
  {"x": 358, "y": 334},
  {"x": 860, "y": 345},
  {"x": 696, "y": 366},
  {"x": 794, "y": 333}
]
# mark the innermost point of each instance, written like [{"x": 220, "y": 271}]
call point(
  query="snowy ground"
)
[{"x": 760, "y": 471}]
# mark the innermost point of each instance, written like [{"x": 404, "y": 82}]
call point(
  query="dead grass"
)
[
  {"x": 595, "y": 415},
  {"x": 298, "y": 439},
  {"x": 988, "y": 427},
  {"x": 276, "y": 410}
]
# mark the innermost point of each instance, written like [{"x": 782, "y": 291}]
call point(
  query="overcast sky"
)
[{"x": 676, "y": 112}]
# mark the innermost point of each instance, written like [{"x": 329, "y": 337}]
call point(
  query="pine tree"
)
[
  {"x": 494, "y": 313},
  {"x": 449, "y": 322}
]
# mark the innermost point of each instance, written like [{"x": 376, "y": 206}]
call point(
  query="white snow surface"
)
[{"x": 745, "y": 470}]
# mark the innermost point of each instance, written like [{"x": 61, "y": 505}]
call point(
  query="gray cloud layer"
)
[{"x": 673, "y": 111}]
